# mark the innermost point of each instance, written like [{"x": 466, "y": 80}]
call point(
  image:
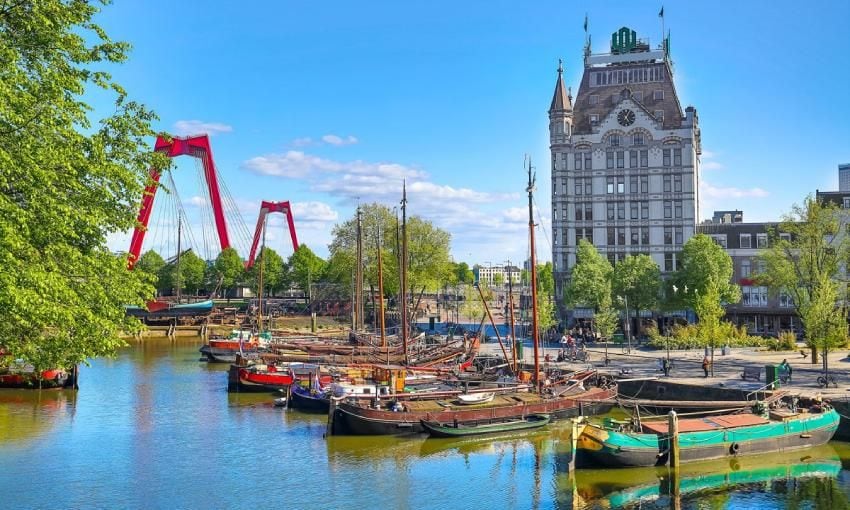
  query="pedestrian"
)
[
  {"x": 563, "y": 339},
  {"x": 665, "y": 367},
  {"x": 706, "y": 364}
]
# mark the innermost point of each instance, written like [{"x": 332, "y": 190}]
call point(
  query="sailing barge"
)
[{"x": 715, "y": 437}]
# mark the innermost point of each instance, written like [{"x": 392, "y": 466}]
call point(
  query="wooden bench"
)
[{"x": 751, "y": 373}]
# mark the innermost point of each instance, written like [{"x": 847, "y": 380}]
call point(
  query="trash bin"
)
[
  {"x": 772, "y": 376},
  {"x": 518, "y": 347},
  {"x": 618, "y": 338}
]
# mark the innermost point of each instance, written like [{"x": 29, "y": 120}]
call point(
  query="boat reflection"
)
[
  {"x": 624, "y": 488},
  {"x": 26, "y": 415}
]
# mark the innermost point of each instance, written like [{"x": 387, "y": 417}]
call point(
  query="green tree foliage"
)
[
  {"x": 590, "y": 283},
  {"x": 306, "y": 267},
  {"x": 191, "y": 274},
  {"x": 68, "y": 179},
  {"x": 807, "y": 266},
  {"x": 545, "y": 279},
  {"x": 704, "y": 282},
  {"x": 429, "y": 264},
  {"x": 498, "y": 280},
  {"x": 638, "y": 279},
  {"x": 547, "y": 315},
  {"x": 462, "y": 273},
  {"x": 152, "y": 263},
  {"x": 228, "y": 268},
  {"x": 275, "y": 271}
]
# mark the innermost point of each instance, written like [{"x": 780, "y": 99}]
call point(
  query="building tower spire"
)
[
  {"x": 561, "y": 109},
  {"x": 560, "y": 100}
]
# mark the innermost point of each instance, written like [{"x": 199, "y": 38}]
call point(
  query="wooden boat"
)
[
  {"x": 475, "y": 398},
  {"x": 226, "y": 349},
  {"x": 309, "y": 399},
  {"x": 263, "y": 377},
  {"x": 533, "y": 421},
  {"x": 715, "y": 437},
  {"x": 402, "y": 414},
  {"x": 17, "y": 374},
  {"x": 159, "y": 309}
]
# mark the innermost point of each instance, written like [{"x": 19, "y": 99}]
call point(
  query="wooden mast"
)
[
  {"x": 381, "y": 290},
  {"x": 358, "y": 276},
  {"x": 260, "y": 279},
  {"x": 513, "y": 333},
  {"x": 179, "y": 248},
  {"x": 404, "y": 269},
  {"x": 533, "y": 262}
]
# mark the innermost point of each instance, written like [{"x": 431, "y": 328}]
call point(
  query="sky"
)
[{"x": 327, "y": 104}]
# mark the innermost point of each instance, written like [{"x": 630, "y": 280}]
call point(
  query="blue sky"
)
[{"x": 325, "y": 103}]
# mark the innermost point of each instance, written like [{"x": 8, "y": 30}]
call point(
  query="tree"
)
[
  {"x": 590, "y": 286},
  {"x": 462, "y": 273},
  {"x": 306, "y": 267},
  {"x": 705, "y": 280},
  {"x": 498, "y": 279},
  {"x": 191, "y": 273},
  {"x": 151, "y": 263},
  {"x": 68, "y": 179},
  {"x": 806, "y": 266},
  {"x": 638, "y": 280},
  {"x": 547, "y": 316},
  {"x": 228, "y": 268},
  {"x": 274, "y": 271}
]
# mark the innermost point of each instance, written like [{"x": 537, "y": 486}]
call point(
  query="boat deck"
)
[
  {"x": 706, "y": 424},
  {"x": 446, "y": 404}
]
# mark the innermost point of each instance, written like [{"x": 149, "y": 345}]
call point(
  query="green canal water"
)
[{"x": 154, "y": 428}]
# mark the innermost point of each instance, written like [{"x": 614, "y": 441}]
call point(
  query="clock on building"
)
[{"x": 626, "y": 117}]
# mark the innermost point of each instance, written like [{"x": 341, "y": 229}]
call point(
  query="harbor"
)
[{"x": 155, "y": 428}]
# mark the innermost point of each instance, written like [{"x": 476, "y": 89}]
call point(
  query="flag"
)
[
  {"x": 585, "y": 23},
  {"x": 661, "y": 12}
]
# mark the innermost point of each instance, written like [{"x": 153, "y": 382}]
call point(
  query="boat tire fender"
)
[{"x": 733, "y": 448}]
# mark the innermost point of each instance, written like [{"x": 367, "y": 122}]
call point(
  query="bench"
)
[{"x": 751, "y": 373}]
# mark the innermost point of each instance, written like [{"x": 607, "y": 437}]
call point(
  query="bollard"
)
[
  {"x": 313, "y": 322},
  {"x": 673, "y": 438}
]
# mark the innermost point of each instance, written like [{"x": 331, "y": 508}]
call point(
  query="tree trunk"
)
[{"x": 814, "y": 354}]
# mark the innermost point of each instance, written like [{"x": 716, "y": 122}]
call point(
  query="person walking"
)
[
  {"x": 665, "y": 367},
  {"x": 706, "y": 364}
]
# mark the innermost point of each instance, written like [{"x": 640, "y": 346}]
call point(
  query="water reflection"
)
[{"x": 26, "y": 415}]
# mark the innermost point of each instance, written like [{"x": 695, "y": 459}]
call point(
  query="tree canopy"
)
[
  {"x": 590, "y": 286},
  {"x": 306, "y": 267},
  {"x": 275, "y": 271},
  {"x": 637, "y": 278},
  {"x": 68, "y": 179},
  {"x": 228, "y": 268}
]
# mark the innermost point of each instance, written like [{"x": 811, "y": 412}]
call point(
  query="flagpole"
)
[{"x": 663, "y": 42}]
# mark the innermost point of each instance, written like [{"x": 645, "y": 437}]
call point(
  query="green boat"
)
[
  {"x": 715, "y": 437},
  {"x": 533, "y": 421}
]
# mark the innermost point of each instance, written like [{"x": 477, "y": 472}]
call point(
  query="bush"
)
[
  {"x": 787, "y": 341},
  {"x": 690, "y": 336}
]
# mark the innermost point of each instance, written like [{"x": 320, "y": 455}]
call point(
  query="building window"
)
[
  {"x": 659, "y": 115},
  {"x": 621, "y": 159},
  {"x": 637, "y": 139},
  {"x": 745, "y": 268},
  {"x": 677, "y": 183},
  {"x": 678, "y": 235},
  {"x": 579, "y": 187},
  {"x": 609, "y": 185},
  {"x": 784, "y": 236},
  {"x": 588, "y": 161},
  {"x": 633, "y": 210},
  {"x": 588, "y": 211},
  {"x": 621, "y": 184},
  {"x": 644, "y": 159},
  {"x": 611, "y": 235},
  {"x": 594, "y": 119},
  {"x": 761, "y": 240},
  {"x": 658, "y": 95},
  {"x": 633, "y": 184},
  {"x": 644, "y": 210},
  {"x": 621, "y": 211},
  {"x": 621, "y": 236},
  {"x": 594, "y": 99},
  {"x": 668, "y": 209},
  {"x": 746, "y": 241},
  {"x": 677, "y": 157},
  {"x": 579, "y": 210},
  {"x": 754, "y": 295},
  {"x": 577, "y": 160},
  {"x": 677, "y": 209},
  {"x": 644, "y": 236},
  {"x": 614, "y": 140},
  {"x": 610, "y": 207},
  {"x": 785, "y": 300},
  {"x": 668, "y": 235},
  {"x": 668, "y": 262},
  {"x": 634, "y": 235},
  {"x": 668, "y": 183},
  {"x": 633, "y": 159},
  {"x": 644, "y": 184},
  {"x": 665, "y": 159},
  {"x": 588, "y": 186},
  {"x": 609, "y": 159},
  {"x": 720, "y": 239},
  {"x": 612, "y": 259}
]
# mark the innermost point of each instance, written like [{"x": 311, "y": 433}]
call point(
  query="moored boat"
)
[
  {"x": 475, "y": 398},
  {"x": 714, "y": 437},
  {"x": 534, "y": 421},
  {"x": 160, "y": 309}
]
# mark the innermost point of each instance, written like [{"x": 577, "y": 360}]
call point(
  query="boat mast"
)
[
  {"x": 179, "y": 248},
  {"x": 381, "y": 290},
  {"x": 533, "y": 262},
  {"x": 358, "y": 276},
  {"x": 404, "y": 269},
  {"x": 511, "y": 305},
  {"x": 260, "y": 279}
]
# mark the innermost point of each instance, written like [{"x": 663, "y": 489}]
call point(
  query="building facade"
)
[
  {"x": 489, "y": 274},
  {"x": 844, "y": 177},
  {"x": 624, "y": 159}
]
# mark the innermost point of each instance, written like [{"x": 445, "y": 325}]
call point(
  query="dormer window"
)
[
  {"x": 594, "y": 119},
  {"x": 659, "y": 115},
  {"x": 614, "y": 140},
  {"x": 594, "y": 100},
  {"x": 658, "y": 95},
  {"x": 637, "y": 139}
]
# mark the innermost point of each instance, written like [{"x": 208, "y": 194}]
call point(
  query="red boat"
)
[
  {"x": 53, "y": 378},
  {"x": 261, "y": 377}
]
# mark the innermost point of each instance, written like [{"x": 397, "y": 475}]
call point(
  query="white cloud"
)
[
  {"x": 196, "y": 127},
  {"x": 338, "y": 140},
  {"x": 708, "y": 161},
  {"x": 313, "y": 212},
  {"x": 722, "y": 192},
  {"x": 292, "y": 164},
  {"x": 198, "y": 201},
  {"x": 304, "y": 141}
]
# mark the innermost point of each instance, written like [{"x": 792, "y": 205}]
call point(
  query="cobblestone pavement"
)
[{"x": 687, "y": 366}]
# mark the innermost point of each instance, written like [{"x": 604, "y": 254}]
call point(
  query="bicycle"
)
[{"x": 825, "y": 380}]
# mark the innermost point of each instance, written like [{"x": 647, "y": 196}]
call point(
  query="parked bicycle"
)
[{"x": 824, "y": 380}]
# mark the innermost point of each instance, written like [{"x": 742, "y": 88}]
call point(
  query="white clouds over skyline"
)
[{"x": 198, "y": 127}]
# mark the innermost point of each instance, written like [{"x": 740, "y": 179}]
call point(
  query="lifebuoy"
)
[{"x": 733, "y": 448}]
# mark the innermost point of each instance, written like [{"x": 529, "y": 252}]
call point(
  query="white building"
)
[
  {"x": 625, "y": 159},
  {"x": 487, "y": 274}
]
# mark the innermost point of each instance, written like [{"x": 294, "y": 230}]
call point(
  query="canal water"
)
[{"x": 155, "y": 428}]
